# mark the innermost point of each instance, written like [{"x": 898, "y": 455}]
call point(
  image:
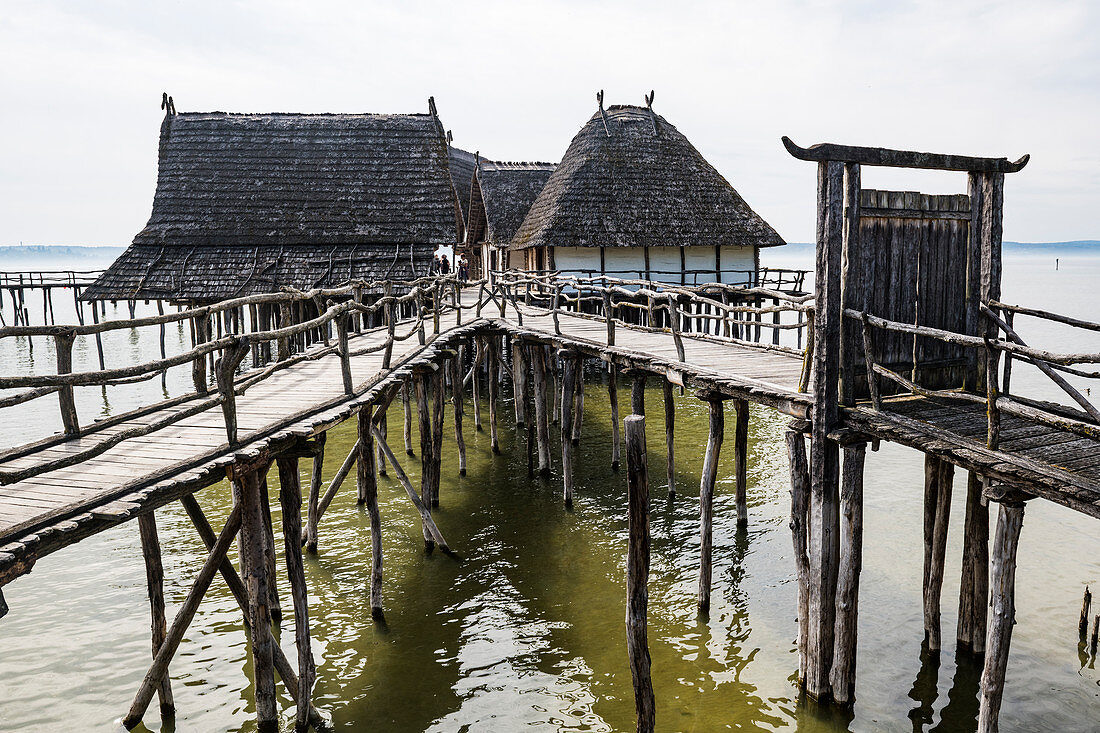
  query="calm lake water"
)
[{"x": 526, "y": 632}]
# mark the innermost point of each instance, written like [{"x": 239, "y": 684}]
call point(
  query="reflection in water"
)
[
  {"x": 960, "y": 714},
  {"x": 925, "y": 689}
]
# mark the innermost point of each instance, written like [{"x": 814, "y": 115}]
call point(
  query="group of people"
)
[{"x": 442, "y": 266}]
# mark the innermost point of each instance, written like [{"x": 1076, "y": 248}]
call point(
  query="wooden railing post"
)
[
  {"x": 284, "y": 321},
  {"x": 674, "y": 325},
  {"x": 201, "y": 326},
  {"x": 224, "y": 370},
  {"x": 609, "y": 317},
  {"x": 436, "y": 305},
  {"x": 456, "y": 299},
  {"x": 420, "y": 316},
  {"x": 390, "y": 309},
  {"x": 554, "y": 308},
  {"x": 358, "y": 298},
  {"x": 64, "y": 345},
  {"x": 345, "y": 355}
]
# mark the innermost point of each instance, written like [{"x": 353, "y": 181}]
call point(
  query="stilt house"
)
[
  {"x": 501, "y": 195},
  {"x": 249, "y": 203},
  {"x": 462, "y": 175},
  {"x": 633, "y": 198}
]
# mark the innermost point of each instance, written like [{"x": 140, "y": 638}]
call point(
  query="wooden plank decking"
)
[{"x": 56, "y": 508}]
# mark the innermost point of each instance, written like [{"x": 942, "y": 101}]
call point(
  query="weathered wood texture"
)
[
  {"x": 154, "y": 577},
  {"x": 1010, "y": 520},
  {"x": 843, "y": 674},
  {"x": 715, "y": 435},
  {"x": 799, "y": 525},
  {"x": 290, "y": 500},
  {"x": 938, "y": 478},
  {"x": 637, "y": 571}
]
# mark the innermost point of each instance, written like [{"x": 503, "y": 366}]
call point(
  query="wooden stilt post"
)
[
  {"x": 974, "y": 586},
  {"x": 519, "y": 381},
  {"x": 637, "y": 571},
  {"x": 578, "y": 399},
  {"x": 492, "y": 359},
  {"x": 741, "y": 457},
  {"x": 425, "y": 514},
  {"x": 568, "y": 384},
  {"x": 843, "y": 675},
  {"x": 290, "y": 499},
  {"x": 670, "y": 434},
  {"x": 381, "y": 419},
  {"x": 800, "y": 506},
  {"x": 542, "y": 422},
  {"x": 1010, "y": 520},
  {"x": 706, "y": 498},
  {"x": 313, "y": 515},
  {"x": 151, "y": 682},
  {"x": 154, "y": 576},
  {"x": 824, "y": 525},
  {"x": 457, "y": 406},
  {"x": 367, "y": 484},
  {"x": 201, "y": 331},
  {"x": 406, "y": 408},
  {"x": 637, "y": 392},
  {"x": 247, "y": 483},
  {"x": 439, "y": 402},
  {"x": 423, "y": 392},
  {"x": 613, "y": 398},
  {"x": 276, "y": 608},
  {"x": 236, "y": 587},
  {"x": 938, "y": 475},
  {"x": 475, "y": 387}
]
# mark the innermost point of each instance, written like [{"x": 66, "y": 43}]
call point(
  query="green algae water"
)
[{"x": 525, "y": 632}]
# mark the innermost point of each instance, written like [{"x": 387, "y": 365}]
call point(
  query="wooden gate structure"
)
[{"x": 905, "y": 340}]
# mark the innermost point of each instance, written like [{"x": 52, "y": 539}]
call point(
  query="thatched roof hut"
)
[
  {"x": 249, "y": 203},
  {"x": 501, "y": 196},
  {"x": 632, "y": 195}
]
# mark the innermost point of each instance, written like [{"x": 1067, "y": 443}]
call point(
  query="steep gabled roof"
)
[
  {"x": 462, "y": 174},
  {"x": 635, "y": 180},
  {"x": 257, "y": 201},
  {"x": 502, "y": 195}
]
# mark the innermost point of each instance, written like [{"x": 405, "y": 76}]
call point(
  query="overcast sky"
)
[{"x": 80, "y": 84}]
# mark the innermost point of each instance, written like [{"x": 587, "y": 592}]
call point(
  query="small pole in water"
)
[{"x": 1055, "y": 263}]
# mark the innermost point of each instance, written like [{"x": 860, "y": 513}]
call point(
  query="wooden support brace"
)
[{"x": 430, "y": 528}]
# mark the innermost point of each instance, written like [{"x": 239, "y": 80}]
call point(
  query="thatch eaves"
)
[
  {"x": 633, "y": 179},
  {"x": 502, "y": 195}
]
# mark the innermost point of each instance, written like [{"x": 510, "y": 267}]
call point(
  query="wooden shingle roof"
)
[
  {"x": 633, "y": 179},
  {"x": 502, "y": 194},
  {"x": 292, "y": 195}
]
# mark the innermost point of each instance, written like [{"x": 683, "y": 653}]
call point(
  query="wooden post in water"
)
[
  {"x": 274, "y": 604},
  {"x": 423, "y": 394},
  {"x": 568, "y": 383},
  {"x": 578, "y": 399},
  {"x": 843, "y": 675},
  {"x": 824, "y": 525},
  {"x": 613, "y": 398},
  {"x": 492, "y": 361},
  {"x": 312, "y": 512},
  {"x": 938, "y": 475},
  {"x": 741, "y": 458},
  {"x": 1010, "y": 520},
  {"x": 290, "y": 499},
  {"x": 542, "y": 422},
  {"x": 800, "y": 504},
  {"x": 154, "y": 577},
  {"x": 706, "y": 497},
  {"x": 974, "y": 585},
  {"x": 406, "y": 409},
  {"x": 519, "y": 381},
  {"x": 637, "y": 571},
  {"x": 637, "y": 392},
  {"x": 367, "y": 484},
  {"x": 1086, "y": 603},
  {"x": 670, "y": 433},
  {"x": 457, "y": 406},
  {"x": 475, "y": 386},
  {"x": 439, "y": 402},
  {"x": 247, "y": 483}
]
